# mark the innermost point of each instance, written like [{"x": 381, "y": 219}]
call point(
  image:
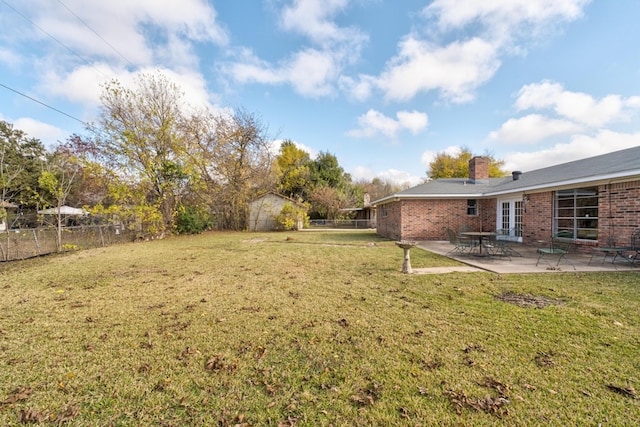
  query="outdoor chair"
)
[
  {"x": 509, "y": 238},
  {"x": 611, "y": 250},
  {"x": 460, "y": 244},
  {"x": 629, "y": 253},
  {"x": 497, "y": 247},
  {"x": 559, "y": 246}
]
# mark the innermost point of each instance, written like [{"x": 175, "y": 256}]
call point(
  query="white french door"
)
[{"x": 509, "y": 217}]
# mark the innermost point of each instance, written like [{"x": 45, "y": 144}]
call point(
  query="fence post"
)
[
  {"x": 5, "y": 255},
  {"x": 101, "y": 235},
  {"x": 35, "y": 238}
]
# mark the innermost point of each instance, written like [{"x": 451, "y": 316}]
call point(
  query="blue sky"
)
[{"x": 382, "y": 84}]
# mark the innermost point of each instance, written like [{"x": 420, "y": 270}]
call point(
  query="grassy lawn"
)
[{"x": 309, "y": 329}]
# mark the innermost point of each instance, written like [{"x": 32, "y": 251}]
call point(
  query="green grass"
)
[{"x": 311, "y": 328}]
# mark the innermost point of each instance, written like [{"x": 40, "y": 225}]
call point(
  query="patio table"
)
[{"x": 478, "y": 235}]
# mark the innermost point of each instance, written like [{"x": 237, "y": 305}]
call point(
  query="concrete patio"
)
[{"x": 572, "y": 262}]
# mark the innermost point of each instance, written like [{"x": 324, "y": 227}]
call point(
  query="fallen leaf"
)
[
  {"x": 17, "y": 395},
  {"x": 625, "y": 391},
  {"x": 31, "y": 416}
]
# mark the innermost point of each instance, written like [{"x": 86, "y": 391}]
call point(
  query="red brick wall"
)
[
  {"x": 429, "y": 219},
  {"x": 537, "y": 218},
  {"x": 618, "y": 212},
  {"x": 389, "y": 220}
]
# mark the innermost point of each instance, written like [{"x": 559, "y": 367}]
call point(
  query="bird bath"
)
[{"x": 406, "y": 247}]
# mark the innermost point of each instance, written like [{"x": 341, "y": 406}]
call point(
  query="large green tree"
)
[
  {"x": 292, "y": 169},
  {"x": 330, "y": 188},
  {"x": 143, "y": 139},
  {"x": 21, "y": 161},
  {"x": 446, "y": 165}
]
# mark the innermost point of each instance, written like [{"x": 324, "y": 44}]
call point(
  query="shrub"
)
[
  {"x": 290, "y": 216},
  {"x": 192, "y": 220}
]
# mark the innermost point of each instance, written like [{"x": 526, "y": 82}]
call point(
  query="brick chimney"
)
[{"x": 479, "y": 170}]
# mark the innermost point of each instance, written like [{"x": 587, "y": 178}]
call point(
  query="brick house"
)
[{"x": 595, "y": 199}]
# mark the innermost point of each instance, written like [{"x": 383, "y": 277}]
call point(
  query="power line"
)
[
  {"x": 87, "y": 125},
  {"x": 53, "y": 38},
  {"x": 96, "y": 33},
  {"x": 43, "y": 104}
]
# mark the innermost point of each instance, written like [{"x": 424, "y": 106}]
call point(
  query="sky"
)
[{"x": 383, "y": 85}]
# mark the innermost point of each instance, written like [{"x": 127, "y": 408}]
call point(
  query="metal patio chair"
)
[
  {"x": 559, "y": 246},
  {"x": 461, "y": 245}
]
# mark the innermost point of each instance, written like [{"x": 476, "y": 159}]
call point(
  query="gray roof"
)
[{"x": 615, "y": 165}]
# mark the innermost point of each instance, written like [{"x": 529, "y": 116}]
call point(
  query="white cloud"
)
[
  {"x": 84, "y": 84},
  {"x": 577, "y": 106},
  {"x": 394, "y": 176},
  {"x": 402, "y": 178},
  {"x": 429, "y": 155},
  {"x": 9, "y": 57},
  {"x": 373, "y": 123},
  {"x": 455, "y": 70},
  {"x": 312, "y": 18},
  {"x": 311, "y": 72},
  {"x": 532, "y": 128},
  {"x": 49, "y": 135},
  {"x": 359, "y": 89},
  {"x": 579, "y": 147},
  {"x": 414, "y": 121},
  {"x": 274, "y": 148},
  {"x": 126, "y": 26},
  {"x": 502, "y": 16}
]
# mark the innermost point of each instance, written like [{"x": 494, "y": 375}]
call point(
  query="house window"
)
[
  {"x": 472, "y": 207},
  {"x": 576, "y": 213},
  {"x": 383, "y": 211}
]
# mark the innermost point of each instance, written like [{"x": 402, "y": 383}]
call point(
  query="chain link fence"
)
[
  {"x": 31, "y": 242},
  {"x": 342, "y": 223}
]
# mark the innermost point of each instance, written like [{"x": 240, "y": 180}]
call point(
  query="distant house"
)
[
  {"x": 264, "y": 210},
  {"x": 364, "y": 217},
  {"x": 594, "y": 200}
]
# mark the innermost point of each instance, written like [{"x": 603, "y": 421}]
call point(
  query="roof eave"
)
[{"x": 594, "y": 180}]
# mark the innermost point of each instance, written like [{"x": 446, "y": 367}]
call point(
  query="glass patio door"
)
[{"x": 510, "y": 217}]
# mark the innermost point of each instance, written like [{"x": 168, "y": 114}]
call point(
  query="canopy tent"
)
[{"x": 63, "y": 210}]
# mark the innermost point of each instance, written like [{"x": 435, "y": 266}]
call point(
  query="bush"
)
[
  {"x": 290, "y": 216},
  {"x": 192, "y": 220}
]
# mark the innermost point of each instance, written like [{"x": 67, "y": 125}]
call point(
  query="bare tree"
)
[{"x": 232, "y": 155}]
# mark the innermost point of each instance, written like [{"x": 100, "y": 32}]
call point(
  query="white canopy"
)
[{"x": 63, "y": 210}]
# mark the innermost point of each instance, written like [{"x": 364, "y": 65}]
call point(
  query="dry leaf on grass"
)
[
  {"x": 31, "y": 416},
  {"x": 501, "y": 388},
  {"x": 218, "y": 363},
  {"x": 625, "y": 391},
  {"x": 489, "y": 404},
  {"x": 17, "y": 395},
  {"x": 544, "y": 359},
  {"x": 368, "y": 395}
]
